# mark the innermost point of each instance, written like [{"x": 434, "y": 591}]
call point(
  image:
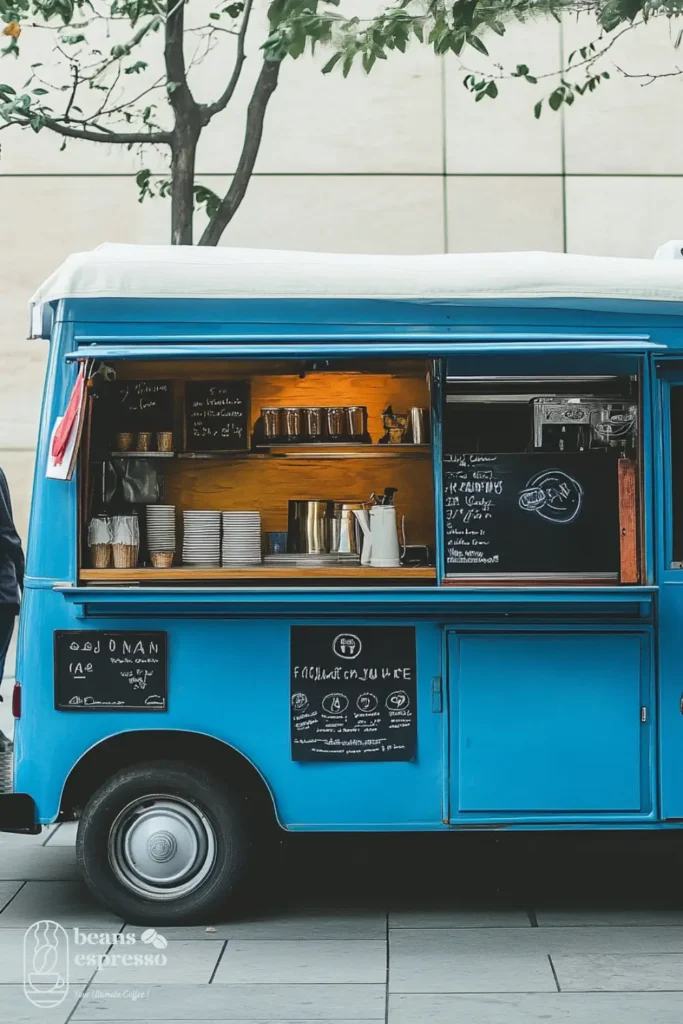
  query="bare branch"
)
[
  {"x": 103, "y": 134},
  {"x": 263, "y": 90},
  {"x": 651, "y": 76},
  {"x": 72, "y": 97},
  {"x": 210, "y": 109}
]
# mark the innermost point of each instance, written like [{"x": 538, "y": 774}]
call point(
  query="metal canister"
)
[
  {"x": 419, "y": 425},
  {"x": 357, "y": 421},
  {"x": 308, "y": 528},
  {"x": 336, "y": 421},
  {"x": 313, "y": 422},
  {"x": 291, "y": 423},
  {"x": 272, "y": 423},
  {"x": 345, "y": 535}
]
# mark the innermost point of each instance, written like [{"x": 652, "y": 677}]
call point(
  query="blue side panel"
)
[
  {"x": 549, "y": 723},
  {"x": 230, "y": 680}
]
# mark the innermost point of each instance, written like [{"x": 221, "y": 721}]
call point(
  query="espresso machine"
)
[{"x": 584, "y": 422}]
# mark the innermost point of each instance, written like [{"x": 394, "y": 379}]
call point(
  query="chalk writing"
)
[
  {"x": 353, "y": 720},
  {"x": 122, "y": 670}
]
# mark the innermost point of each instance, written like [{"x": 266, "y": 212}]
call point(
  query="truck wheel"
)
[{"x": 163, "y": 843}]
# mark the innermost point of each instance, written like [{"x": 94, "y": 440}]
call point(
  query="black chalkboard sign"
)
[
  {"x": 118, "y": 671},
  {"x": 216, "y": 415},
  {"x": 138, "y": 405},
  {"x": 353, "y": 693},
  {"x": 538, "y": 512}
]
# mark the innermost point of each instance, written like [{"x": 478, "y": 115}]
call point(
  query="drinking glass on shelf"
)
[
  {"x": 336, "y": 421},
  {"x": 272, "y": 423},
  {"x": 291, "y": 418}
]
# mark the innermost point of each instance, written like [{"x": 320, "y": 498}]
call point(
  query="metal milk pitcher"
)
[{"x": 380, "y": 537}]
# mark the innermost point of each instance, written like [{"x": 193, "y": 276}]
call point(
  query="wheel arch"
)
[{"x": 124, "y": 749}]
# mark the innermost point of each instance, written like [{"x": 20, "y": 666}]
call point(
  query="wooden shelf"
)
[
  {"x": 177, "y": 573},
  {"x": 142, "y": 455},
  {"x": 329, "y": 451}
]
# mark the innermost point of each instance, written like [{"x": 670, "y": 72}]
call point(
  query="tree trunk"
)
[
  {"x": 266, "y": 85},
  {"x": 183, "y": 153}
]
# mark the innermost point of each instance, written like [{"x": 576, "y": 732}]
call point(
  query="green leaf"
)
[
  {"x": 537, "y": 109},
  {"x": 476, "y": 42},
  {"x": 39, "y": 92},
  {"x": 492, "y": 90},
  {"x": 332, "y": 63},
  {"x": 556, "y": 99},
  {"x": 8, "y": 89},
  {"x": 530, "y": 78},
  {"x": 215, "y": 16}
]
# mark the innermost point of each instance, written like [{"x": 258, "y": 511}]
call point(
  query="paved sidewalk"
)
[
  {"x": 410, "y": 931},
  {"x": 468, "y": 929}
]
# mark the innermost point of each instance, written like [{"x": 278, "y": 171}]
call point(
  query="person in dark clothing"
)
[{"x": 11, "y": 581}]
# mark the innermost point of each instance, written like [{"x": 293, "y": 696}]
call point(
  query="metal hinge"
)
[
  {"x": 643, "y": 714},
  {"x": 437, "y": 695}
]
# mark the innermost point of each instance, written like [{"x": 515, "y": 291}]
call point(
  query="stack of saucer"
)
[
  {"x": 241, "y": 539},
  {"x": 161, "y": 528},
  {"x": 202, "y": 538}
]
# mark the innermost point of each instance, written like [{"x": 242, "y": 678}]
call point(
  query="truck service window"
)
[{"x": 539, "y": 479}]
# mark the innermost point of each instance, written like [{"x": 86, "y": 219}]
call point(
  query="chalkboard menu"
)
[
  {"x": 120, "y": 671},
  {"x": 536, "y": 512},
  {"x": 353, "y": 693},
  {"x": 141, "y": 405},
  {"x": 216, "y": 415}
]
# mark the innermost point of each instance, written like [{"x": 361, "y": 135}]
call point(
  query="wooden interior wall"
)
[
  {"x": 267, "y": 484},
  {"x": 278, "y": 384}
]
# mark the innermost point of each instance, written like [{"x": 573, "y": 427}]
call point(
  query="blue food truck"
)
[{"x": 348, "y": 543}]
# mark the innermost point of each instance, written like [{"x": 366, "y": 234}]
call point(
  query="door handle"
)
[{"x": 437, "y": 696}]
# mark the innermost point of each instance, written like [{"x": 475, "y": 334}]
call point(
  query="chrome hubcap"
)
[{"x": 162, "y": 847}]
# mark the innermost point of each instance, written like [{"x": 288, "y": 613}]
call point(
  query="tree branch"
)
[
  {"x": 263, "y": 90},
  {"x": 179, "y": 95},
  {"x": 210, "y": 109},
  {"x": 103, "y": 135}
]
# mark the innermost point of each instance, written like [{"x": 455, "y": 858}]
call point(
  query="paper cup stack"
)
[
  {"x": 161, "y": 538},
  {"x": 202, "y": 538},
  {"x": 241, "y": 539}
]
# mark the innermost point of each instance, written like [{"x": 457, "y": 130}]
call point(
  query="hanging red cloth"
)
[{"x": 60, "y": 440}]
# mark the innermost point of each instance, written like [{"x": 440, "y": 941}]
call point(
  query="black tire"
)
[{"x": 128, "y": 805}]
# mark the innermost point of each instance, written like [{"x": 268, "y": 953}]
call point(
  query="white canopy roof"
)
[{"x": 159, "y": 271}]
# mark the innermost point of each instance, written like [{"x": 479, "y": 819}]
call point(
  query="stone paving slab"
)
[
  {"x": 335, "y": 961},
  {"x": 17, "y": 840},
  {"x": 16, "y": 1009},
  {"x": 558, "y": 1008},
  {"x": 12, "y": 961},
  {"x": 609, "y": 917},
  {"x": 296, "y": 924},
  {"x": 614, "y": 973},
  {"x": 179, "y": 963},
  {"x": 470, "y": 973},
  {"x": 68, "y": 903},
  {"x": 38, "y": 864},
  {"x": 455, "y": 942},
  {"x": 7, "y": 891},
  {"x": 63, "y": 835},
  {"x": 463, "y": 917},
  {"x": 264, "y": 1003}
]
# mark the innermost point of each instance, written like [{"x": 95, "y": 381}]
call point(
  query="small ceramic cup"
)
[
  {"x": 165, "y": 441},
  {"x": 144, "y": 441},
  {"x": 124, "y": 442}
]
